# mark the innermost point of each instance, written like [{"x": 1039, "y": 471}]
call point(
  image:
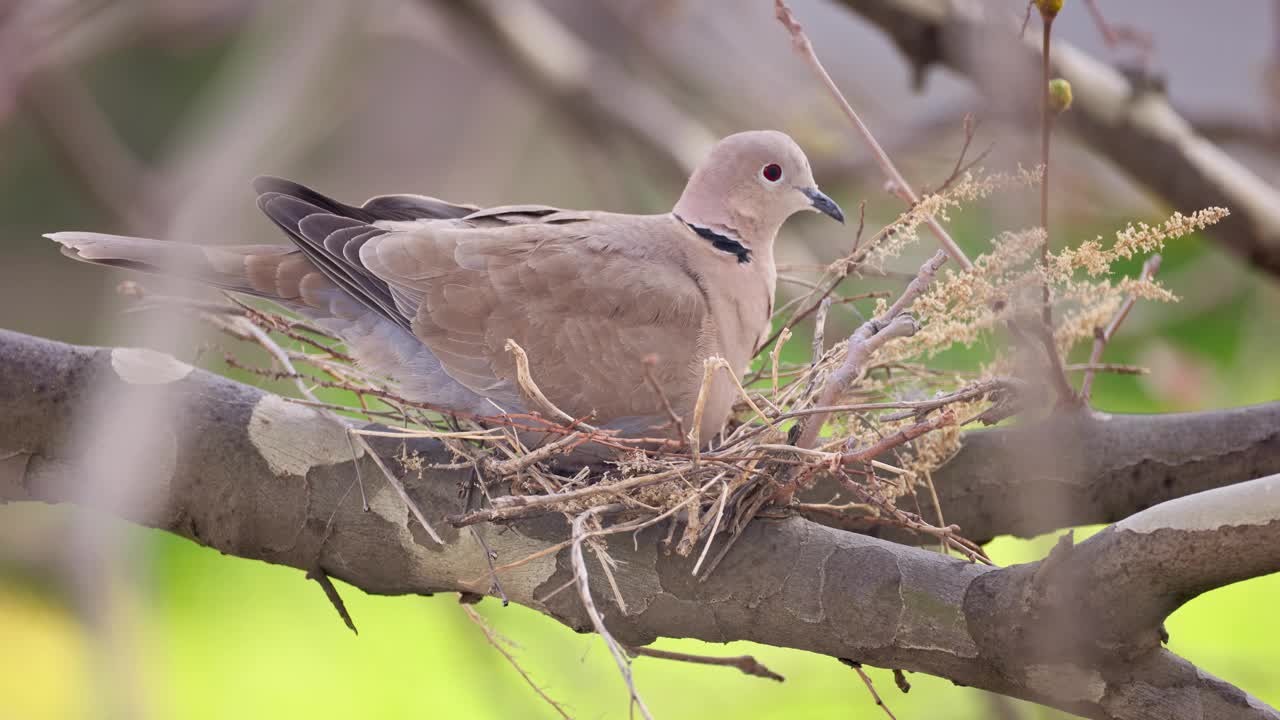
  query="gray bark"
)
[{"x": 254, "y": 476}]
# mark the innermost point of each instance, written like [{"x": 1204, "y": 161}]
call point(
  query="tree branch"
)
[
  {"x": 256, "y": 476},
  {"x": 1134, "y": 128},
  {"x": 1104, "y": 467}
]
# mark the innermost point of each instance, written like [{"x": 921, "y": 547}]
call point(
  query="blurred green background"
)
[{"x": 151, "y": 117}]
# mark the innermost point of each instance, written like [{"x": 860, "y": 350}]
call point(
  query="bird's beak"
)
[{"x": 823, "y": 204}]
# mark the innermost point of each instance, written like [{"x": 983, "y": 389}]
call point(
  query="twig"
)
[
  {"x": 1057, "y": 375},
  {"x": 900, "y": 679},
  {"x": 490, "y": 636},
  {"x": 937, "y": 506},
  {"x": 1117, "y": 368},
  {"x": 531, "y": 390},
  {"x": 489, "y": 555},
  {"x": 745, "y": 663},
  {"x": 866, "y": 679},
  {"x": 709, "y": 367},
  {"x": 1102, "y": 336},
  {"x": 901, "y": 437},
  {"x": 866, "y": 340},
  {"x": 1115, "y": 36},
  {"x": 318, "y": 574},
  {"x": 920, "y": 408},
  {"x": 650, "y": 362},
  {"x": 840, "y": 511},
  {"x": 516, "y": 464},
  {"x": 509, "y": 507},
  {"x": 819, "y": 330},
  {"x": 805, "y": 48},
  {"x": 970, "y": 127},
  {"x": 715, "y": 528},
  {"x": 783, "y": 337},
  {"x": 597, "y": 622},
  {"x": 916, "y": 407}
]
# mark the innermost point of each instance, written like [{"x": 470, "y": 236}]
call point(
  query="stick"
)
[
  {"x": 498, "y": 645},
  {"x": 597, "y": 622},
  {"x": 745, "y": 663},
  {"x": 1102, "y": 336},
  {"x": 805, "y": 48}
]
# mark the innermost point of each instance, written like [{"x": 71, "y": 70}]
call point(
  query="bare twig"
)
[
  {"x": 498, "y": 645},
  {"x": 866, "y": 680},
  {"x": 1102, "y": 336},
  {"x": 709, "y": 367},
  {"x": 745, "y": 663},
  {"x": 901, "y": 437},
  {"x": 970, "y": 127},
  {"x": 819, "y": 329},
  {"x": 783, "y": 336},
  {"x": 805, "y": 48},
  {"x": 597, "y": 622},
  {"x": 1057, "y": 376},
  {"x": 900, "y": 679},
  {"x": 489, "y": 556},
  {"x": 650, "y": 362},
  {"x": 1116, "y": 35},
  {"x": 715, "y": 527},
  {"x": 531, "y": 390},
  {"x": 318, "y": 574},
  {"x": 509, "y": 507}
]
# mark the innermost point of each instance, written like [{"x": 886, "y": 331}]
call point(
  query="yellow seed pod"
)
[
  {"x": 1049, "y": 8},
  {"x": 1059, "y": 95}
]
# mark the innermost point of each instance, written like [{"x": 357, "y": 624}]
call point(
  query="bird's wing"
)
[{"x": 588, "y": 296}]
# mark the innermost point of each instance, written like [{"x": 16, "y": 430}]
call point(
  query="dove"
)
[{"x": 428, "y": 293}]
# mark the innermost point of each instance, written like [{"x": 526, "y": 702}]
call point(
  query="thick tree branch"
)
[
  {"x": 1144, "y": 567},
  {"x": 256, "y": 476},
  {"x": 1103, "y": 467},
  {"x": 1135, "y": 128}
]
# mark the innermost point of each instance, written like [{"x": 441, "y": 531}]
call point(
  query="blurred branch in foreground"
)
[{"x": 1133, "y": 127}]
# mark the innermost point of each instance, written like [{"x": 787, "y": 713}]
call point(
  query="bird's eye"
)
[{"x": 772, "y": 172}]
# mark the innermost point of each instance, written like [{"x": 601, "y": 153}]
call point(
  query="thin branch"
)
[
  {"x": 497, "y": 644},
  {"x": 1102, "y": 336},
  {"x": 588, "y": 604},
  {"x": 871, "y": 688},
  {"x": 805, "y": 48},
  {"x": 650, "y": 362},
  {"x": 747, "y": 664},
  {"x": 330, "y": 591}
]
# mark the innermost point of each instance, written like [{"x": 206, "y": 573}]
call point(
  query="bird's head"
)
[{"x": 750, "y": 183}]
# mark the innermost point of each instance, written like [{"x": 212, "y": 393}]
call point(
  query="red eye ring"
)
[{"x": 772, "y": 172}]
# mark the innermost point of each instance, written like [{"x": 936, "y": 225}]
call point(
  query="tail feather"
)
[{"x": 270, "y": 271}]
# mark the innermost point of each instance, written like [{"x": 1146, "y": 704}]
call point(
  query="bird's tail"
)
[{"x": 277, "y": 272}]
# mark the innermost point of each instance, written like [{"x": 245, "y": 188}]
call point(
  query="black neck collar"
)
[{"x": 721, "y": 242}]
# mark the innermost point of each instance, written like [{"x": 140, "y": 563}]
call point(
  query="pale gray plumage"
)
[{"x": 427, "y": 292}]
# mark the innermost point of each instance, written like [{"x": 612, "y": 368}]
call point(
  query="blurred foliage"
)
[{"x": 220, "y": 637}]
